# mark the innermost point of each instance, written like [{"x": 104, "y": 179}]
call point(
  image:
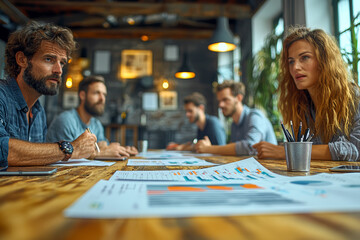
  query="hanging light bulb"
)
[
  {"x": 222, "y": 39},
  {"x": 165, "y": 84},
  {"x": 69, "y": 82},
  {"x": 185, "y": 71}
]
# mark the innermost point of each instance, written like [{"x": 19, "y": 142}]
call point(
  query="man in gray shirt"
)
[{"x": 249, "y": 126}]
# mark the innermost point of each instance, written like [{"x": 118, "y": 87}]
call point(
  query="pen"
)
[
  {"x": 306, "y": 134},
  {"x": 299, "y": 132},
  {"x": 309, "y": 139},
  {"x": 290, "y": 137},
  {"x": 96, "y": 145},
  {"x": 292, "y": 130},
  {"x": 283, "y": 128}
]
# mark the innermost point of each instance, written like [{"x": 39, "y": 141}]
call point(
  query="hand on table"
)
[
  {"x": 112, "y": 150},
  {"x": 172, "y": 146},
  {"x": 202, "y": 144},
  {"x": 84, "y": 146},
  {"x": 268, "y": 150},
  {"x": 132, "y": 150}
]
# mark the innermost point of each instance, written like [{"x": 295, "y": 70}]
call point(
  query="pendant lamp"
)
[
  {"x": 185, "y": 71},
  {"x": 222, "y": 39}
]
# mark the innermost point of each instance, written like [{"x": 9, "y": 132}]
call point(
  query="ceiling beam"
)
[
  {"x": 195, "y": 10},
  {"x": 152, "y": 33},
  {"x": 14, "y": 14}
]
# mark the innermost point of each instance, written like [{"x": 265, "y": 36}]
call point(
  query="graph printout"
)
[
  {"x": 162, "y": 154},
  {"x": 129, "y": 199},
  {"x": 82, "y": 162},
  {"x": 189, "y": 161},
  {"x": 248, "y": 169}
]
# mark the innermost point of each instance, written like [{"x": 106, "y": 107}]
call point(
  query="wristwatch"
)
[{"x": 67, "y": 148}]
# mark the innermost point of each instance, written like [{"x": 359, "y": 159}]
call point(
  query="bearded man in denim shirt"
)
[{"x": 35, "y": 57}]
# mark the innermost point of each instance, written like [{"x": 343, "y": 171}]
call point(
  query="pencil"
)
[{"x": 96, "y": 145}]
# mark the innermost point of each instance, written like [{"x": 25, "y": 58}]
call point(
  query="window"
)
[{"x": 348, "y": 12}]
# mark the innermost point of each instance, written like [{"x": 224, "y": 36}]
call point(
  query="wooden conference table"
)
[{"x": 32, "y": 208}]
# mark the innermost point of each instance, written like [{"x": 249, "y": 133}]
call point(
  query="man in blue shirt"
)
[
  {"x": 249, "y": 126},
  {"x": 35, "y": 57},
  {"x": 72, "y": 123},
  {"x": 209, "y": 127}
]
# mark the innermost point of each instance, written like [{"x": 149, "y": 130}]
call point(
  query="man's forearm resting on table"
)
[
  {"x": 27, "y": 153},
  {"x": 228, "y": 149}
]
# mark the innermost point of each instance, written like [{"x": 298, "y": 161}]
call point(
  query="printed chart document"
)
[
  {"x": 189, "y": 161},
  {"x": 253, "y": 190},
  {"x": 248, "y": 169},
  {"x": 115, "y": 199},
  {"x": 162, "y": 154},
  {"x": 82, "y": 162}
]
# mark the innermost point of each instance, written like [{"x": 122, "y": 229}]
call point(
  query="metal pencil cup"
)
[{"x": 298, "y": 156}]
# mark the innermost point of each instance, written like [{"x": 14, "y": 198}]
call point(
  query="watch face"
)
[{"x": 68, "y": 148}]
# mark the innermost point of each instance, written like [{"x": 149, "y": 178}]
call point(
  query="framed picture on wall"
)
[
  {"x": 70, "y": 99},
  {"x": 102, "y": 62},
  {"x": 168, "y": 100},
  {"x": 135, "y": 64}
]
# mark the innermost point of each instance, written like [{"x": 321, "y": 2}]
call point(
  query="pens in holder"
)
[
  {"x": 292, "y": 130},
  {"x": 299, "y": 132},
  {"x": 311, "y": 136},
  {"x": 96, "y": 145},
  {"x": 306, "y": 134},
  {"x": 300, "y": 138},
  {"x": 290, "y": 137},
  {"x": 285, "y": 133}
]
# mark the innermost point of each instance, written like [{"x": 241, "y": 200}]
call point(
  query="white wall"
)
[
  {"x": 262, "y": 22},
  {"x": 319, "y": 14}
]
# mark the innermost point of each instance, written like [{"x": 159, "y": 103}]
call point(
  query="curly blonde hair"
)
[{"x": 336, "y": 94}]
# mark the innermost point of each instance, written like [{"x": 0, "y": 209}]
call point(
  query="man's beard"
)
[
  {"x": 232, "y": 112},
  {"x": 39, "y": 84},
  {"x": 196, "y": 118},
  {"x": 93, "y": 110}
]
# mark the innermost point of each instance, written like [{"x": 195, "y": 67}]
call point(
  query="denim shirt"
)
[{"x": 13, "y": 120}]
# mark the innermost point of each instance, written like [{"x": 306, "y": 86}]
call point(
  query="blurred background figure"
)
[{"x": 208, "y": 126}]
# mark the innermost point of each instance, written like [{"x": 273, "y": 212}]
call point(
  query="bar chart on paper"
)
[{"x": 248, "y": 169}]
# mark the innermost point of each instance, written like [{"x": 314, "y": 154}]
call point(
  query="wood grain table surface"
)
[{"x": 31, "y": 207}]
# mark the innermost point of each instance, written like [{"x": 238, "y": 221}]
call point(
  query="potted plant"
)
[{"x": 263, "y": 80}]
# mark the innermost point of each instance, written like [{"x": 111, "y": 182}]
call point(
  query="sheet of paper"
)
[
  {"x": 248, "y": 169},
  {"x": 161, "y": 154},
  {"x": 82, "y": 162},
  {"x": 125, "y": 199},
  {"x": 199, "y": 154},
  {"x": 189, "y": 161}
]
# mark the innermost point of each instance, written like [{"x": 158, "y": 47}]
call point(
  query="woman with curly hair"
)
[{"x": 316, "y": 89}]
